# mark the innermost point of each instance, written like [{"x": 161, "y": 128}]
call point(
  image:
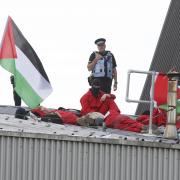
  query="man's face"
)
[{"x": 101, "y": 47}]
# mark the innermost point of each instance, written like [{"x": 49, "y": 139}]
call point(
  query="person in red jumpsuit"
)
[
  {"x": 159, "y": 118},
  {"x": 60, "y": 116},
  {"x": 96, "y": 100}
]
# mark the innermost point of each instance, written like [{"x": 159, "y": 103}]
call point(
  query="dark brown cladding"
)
[{"x": 167, "y": 53}]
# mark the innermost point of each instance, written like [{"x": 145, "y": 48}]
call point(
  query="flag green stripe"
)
[
  {"x": 8, "y": 64},
  {"x": 22, "y": 87},
  {"x": 29, "y": 96},
  {"x": 25, "y": 67},
  {"x": 165, "y": 107}
]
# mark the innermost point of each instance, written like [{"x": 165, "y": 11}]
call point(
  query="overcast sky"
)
[{"x": 62, "y": 32}]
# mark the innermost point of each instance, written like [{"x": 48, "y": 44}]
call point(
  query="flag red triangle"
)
[{"x": 8, "y": 49}]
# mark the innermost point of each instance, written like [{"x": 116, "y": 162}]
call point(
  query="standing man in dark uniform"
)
[
  {"x": 103, "y": 66},
  {"x": 17, "y": 99}
]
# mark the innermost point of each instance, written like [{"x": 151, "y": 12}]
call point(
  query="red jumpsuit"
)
[
  {"x": 90, "y": 103},
  {"x": 66, "y": 116},
  {"x": 159, "y": 118}
]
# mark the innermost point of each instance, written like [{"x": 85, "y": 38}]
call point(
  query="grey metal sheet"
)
[
  {"x": 4, "y": 109},
  {"x": 45, "y": 159},
  {"x": 10, "y": 126}
]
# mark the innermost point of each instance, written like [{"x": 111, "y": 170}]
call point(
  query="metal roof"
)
[{"x": 10, "y": 126}]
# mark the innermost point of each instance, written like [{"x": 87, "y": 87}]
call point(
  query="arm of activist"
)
[{"x": 105, "y": 96}]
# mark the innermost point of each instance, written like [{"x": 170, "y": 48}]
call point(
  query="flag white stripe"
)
[{"x": 40, "y": 85}]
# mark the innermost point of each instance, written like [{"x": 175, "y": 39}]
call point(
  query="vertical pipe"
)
[
  {"x": 171, "y": 130},
  {"x": 127, "y": 89},
  {"x": 151, "y": 102}
]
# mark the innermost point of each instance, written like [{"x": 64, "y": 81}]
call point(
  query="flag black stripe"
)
[{"x": 26, "y": 48}]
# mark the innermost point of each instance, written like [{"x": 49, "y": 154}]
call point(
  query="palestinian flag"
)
[{"x": 18, "y": 57}]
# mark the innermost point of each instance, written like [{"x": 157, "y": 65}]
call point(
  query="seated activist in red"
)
[{"x": 96, "y": 100}]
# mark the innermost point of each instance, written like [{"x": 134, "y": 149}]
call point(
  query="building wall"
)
[{"x": 31, "y": 158}]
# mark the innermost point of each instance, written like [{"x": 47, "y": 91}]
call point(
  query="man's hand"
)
[
  {"x": 91, "y": 65},
  {"x": 103, "y": 98},
  {"x": 115, "y": 86},
  {"x": 98, "y": 56}
]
